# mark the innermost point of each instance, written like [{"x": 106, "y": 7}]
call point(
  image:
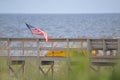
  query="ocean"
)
[{"x": 65, "y": 25}]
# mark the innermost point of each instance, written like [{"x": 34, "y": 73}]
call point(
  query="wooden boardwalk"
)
[{"x": 21, "y": 49}]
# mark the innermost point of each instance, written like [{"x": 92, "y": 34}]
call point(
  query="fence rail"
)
[{"x": 10, "y": 46}]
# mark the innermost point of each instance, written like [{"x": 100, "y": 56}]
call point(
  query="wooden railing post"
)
[
  {"x": 118, "y": 53},
  {"x": 8, "y": 50},
  {"x": 89, "y": 47},
  {"x": 38, "y": 56},
  {"x": 23, "y": 52},
  {"x": 68, "y": 58},
  {"x": 104, "y": 47}
]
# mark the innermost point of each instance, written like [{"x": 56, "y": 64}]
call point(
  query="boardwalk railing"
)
[
  {"x": 36, "y": 44},
  {"x": 25, "y": 48},
  {"x": 21, "y": 49}
]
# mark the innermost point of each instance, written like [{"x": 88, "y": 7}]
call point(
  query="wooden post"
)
[
  {"x": 23, "y": 52},
  {"x": 81, "y": 44},
  {"x": 52, "y": 65},
  {"x": 89, "y": 47},
  {"x": 8, "y": 50},
  {"x": 104, "y": 48},
  {"x": 68, "y": 58},
  {"x": 38, "y": 56},
  {"x": 118, "y": 53}
]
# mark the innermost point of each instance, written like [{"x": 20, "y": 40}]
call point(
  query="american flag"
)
[{"x": 37, "y": 31}]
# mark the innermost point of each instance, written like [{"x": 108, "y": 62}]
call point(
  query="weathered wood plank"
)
[
  {"x": 90, "y": 44},
  {"x": 42, "y": 48},
  {"x": 42, "y": 58}
]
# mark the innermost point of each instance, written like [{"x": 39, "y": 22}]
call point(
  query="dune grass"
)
[
  {"x": 3, "y": 69},
  {"x": 78, "y": 70}
]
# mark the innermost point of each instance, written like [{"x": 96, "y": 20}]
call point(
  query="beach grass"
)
[{"x": 78, "y": 70}]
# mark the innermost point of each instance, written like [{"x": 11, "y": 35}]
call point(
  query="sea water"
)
[{"x": 66, "y": 25}]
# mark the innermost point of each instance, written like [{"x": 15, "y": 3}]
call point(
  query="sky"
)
[{"x": 59, "y": 6}]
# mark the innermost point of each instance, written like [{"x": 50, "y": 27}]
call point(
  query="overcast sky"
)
[{"x": 59, "y": 6}]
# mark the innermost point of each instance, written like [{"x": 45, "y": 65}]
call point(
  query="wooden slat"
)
[
  {"x": 43, "y": 48},
  {"x": 104, "y": 60},
  {"x": 42, "y": 58}
]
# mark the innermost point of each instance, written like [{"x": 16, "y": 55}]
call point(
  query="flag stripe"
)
[{"x": 37, "y": 31}]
